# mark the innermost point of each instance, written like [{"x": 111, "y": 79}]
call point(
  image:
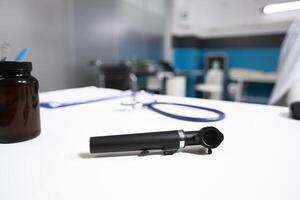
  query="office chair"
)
[
  {"x": 116, "y": 76},
  {"x": 215, "y": 67}
]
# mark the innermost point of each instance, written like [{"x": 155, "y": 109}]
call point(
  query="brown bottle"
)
[{"x": 19, "y": 102}]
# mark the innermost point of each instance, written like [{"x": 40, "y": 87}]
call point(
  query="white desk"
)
[{"x": 258, "y": 159}]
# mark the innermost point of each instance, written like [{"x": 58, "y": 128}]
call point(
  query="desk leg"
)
[
  {"x": 239, "y": 91},
  {"x": 101, "y": 80}
]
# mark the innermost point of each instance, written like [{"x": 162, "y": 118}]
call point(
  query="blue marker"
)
[{"x": 22, "y": 55}]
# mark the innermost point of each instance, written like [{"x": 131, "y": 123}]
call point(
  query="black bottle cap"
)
[{"x": 15, "y": 66}]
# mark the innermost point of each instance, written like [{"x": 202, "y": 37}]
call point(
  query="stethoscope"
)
[{"x": 151, "y": 104}]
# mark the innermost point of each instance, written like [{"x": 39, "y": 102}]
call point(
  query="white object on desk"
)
[
  {"x": 175, "y": 85},
  {"x": 74, "y": 95},
  {"x": 258, "y": 159}
]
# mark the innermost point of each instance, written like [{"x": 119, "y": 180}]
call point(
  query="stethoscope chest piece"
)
[{"x": 147, "y": 100}]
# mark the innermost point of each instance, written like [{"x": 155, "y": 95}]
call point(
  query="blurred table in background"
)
[{"x": 242, "y": 77}]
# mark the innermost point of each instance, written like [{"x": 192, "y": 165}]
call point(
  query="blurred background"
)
[{"x": 215, "y": 49}]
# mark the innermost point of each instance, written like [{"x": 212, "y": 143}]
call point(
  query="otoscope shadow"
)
[
  {"x": 196, "y": 150},
  {"x": 286, "y": 115}
]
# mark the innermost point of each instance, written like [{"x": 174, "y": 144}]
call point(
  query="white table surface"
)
[{"x": 258, "y": 159}]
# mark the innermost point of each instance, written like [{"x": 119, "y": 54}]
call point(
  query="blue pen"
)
[{"x": 22, "y": 55}]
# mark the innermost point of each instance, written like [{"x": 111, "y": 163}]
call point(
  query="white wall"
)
[
  {"x": 44, "y": 27},
  {"x": 168, "y": 46},
  {"x": 114, "y": 30},
  {"x": 212, "y": 18},
  {"x": 64, "y": 35}
]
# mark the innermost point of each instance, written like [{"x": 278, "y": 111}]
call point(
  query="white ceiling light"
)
[{"x": 281, "y": 7}]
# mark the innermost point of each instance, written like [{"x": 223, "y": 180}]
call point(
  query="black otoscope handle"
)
[
  {"x": 168, "y": 141},
  {"x": 133, "y": 142}
]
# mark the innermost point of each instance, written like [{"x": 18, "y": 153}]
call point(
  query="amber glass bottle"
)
[{"x": 19, "y": 102}]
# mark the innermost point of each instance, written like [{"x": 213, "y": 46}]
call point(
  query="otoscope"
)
[{"x": 169, "y": 142}]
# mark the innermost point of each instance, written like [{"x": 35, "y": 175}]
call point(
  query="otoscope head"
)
[{"x": 209, "y": 137}]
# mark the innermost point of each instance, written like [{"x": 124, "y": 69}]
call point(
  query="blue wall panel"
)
[
  {"x": 186, "y": 58},
  {"x": 261, "y": 58},
  {"x": 189, "y": 59},
  {"x": 264, "y": 59}
]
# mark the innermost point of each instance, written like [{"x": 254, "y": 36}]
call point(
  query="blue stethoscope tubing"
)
[{"x": 220, "y": 115}]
